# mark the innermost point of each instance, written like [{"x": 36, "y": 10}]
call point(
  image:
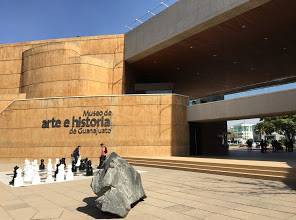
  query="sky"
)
[{"x": 26, "y": 20}]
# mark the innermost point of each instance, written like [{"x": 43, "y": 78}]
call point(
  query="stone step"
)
[
  {"x": 221, "y": 167},
  {"x": 248, "y": 171},
  {"x": 229, "y": 165}
]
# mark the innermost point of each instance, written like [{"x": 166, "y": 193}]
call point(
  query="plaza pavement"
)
[{"x": 171, "y": 195}]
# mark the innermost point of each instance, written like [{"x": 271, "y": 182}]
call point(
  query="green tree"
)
[{"x": 284, "y": 125}]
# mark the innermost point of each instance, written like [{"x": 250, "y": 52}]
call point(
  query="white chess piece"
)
[
  {"x": 69, "y": 175},
  {"x": 26, "y": 166},
  {"x": 78, "y": 162},
  {"x": 61, "y": 173},
  {"x": 36, "y": 176},
  {"x": 57, "y": 162},
  {"x": 18, "y": 181},
  {"x": 35, "y": 163},
  {"x": 49, "y": 178},
  {"x": 28, "y": 172},
  {"x": 36, "y": 166},
  {"x": 49, "y": 165},
  {"x": 26, "y": 163}
]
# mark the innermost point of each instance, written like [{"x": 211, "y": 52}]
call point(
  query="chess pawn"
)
[
  {"x": 36, "y": 176},
  {"x": 49, "y": 165},
  {"x": 61, "y": 173},
  {"x": 78, "y": 162},
  {"x": 74, "y": 168},
  {"x": 69, "y": 175},
  {"x": 28, "y": 172},
  {"x": 62, "y": 169},
  {"x": 27, "y": 162},
  {"x": 49, "y": 178},
  {"x": 35, "y": 165},
  {"x": 18, "y": 181},
  {"x": 42, "y": 166},
  {"x": 26, "y": 165},
  {"x": 82, "y": 165}
]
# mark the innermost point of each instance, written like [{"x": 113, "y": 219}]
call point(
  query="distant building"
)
[{"x": 242, "y": 132}]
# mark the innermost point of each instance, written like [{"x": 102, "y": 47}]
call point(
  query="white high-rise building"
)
[{"x": 243, "y": 132}]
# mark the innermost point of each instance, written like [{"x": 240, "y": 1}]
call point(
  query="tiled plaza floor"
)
[{"x": 170, "y": 195}]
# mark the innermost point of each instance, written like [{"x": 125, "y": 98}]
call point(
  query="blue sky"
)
[
  {"x": 262, "y": 91},
  {"x": 25, "y": 20}
]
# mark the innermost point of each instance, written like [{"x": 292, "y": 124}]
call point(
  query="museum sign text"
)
[{"x": 90, "y": 122}]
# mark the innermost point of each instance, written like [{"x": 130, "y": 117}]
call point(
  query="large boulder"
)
[{"x": 118, "y": 185}]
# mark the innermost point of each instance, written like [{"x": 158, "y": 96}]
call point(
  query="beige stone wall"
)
[
  {"x": 151, "y": 125},
  {"x": 87, "y": 74},
  {"x": 7, "y": 99},
  {"x": 63, "y": 67}
]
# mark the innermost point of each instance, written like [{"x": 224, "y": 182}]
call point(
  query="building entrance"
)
[
  {"x": 195, "y": 148},
  {"x": 208, "y": 138}
]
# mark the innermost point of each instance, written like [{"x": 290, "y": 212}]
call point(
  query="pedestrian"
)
[
  {"x": 262, "y": 145},
  {"x": 76, "y": 153},
  {"x": 265, "y": 145},
  {"x": 249, "y": 144},
  {"x": 103, "y": 151}
]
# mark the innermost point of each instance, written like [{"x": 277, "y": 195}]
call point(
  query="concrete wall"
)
[
  {"x": 63, "y": 67},
  {"x": 180, "y": 21},
  {"x": 275, "y": 103},
  {"x": 152, "y": 125}
]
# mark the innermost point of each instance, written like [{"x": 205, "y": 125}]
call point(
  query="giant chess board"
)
[{"x": 6, "y": 177}]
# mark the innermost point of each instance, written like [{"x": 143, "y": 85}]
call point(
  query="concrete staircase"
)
[{"x": 276, "y": 173}]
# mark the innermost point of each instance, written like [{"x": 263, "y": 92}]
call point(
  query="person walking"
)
[
  {"x": 262, "y": 146},
  {"x": 76, "y": 153},
  {"x": 104, "y": 151},
  {"x": 249, "y": 144}
]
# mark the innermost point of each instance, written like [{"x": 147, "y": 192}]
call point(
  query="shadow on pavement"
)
[
  {"x": 91, "y": 210},
  {"x": 291, "y": 177}
]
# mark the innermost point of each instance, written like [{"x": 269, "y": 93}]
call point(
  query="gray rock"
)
[{"x": 118, "y": 185}]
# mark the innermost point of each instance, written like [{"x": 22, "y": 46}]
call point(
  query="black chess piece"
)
[
  {"x": 82, "y": 165},
  {"x": 57, "y": 170},
  {"x": 89, "y": 169},
  {"x": 85, "y": 162},
  {"x": 74, "y": 168},
  {"x": 42, "y": 166},
  {"x": 63, "y": 161},
  {"x": 14, "y": 175}
]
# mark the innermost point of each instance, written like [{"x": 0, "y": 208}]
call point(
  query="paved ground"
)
[
  {"x": 171, "y": 195},
  {"x": 241, "y": 153}
]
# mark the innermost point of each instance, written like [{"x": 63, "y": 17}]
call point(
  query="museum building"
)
[{"x": 132, "y": 91}]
